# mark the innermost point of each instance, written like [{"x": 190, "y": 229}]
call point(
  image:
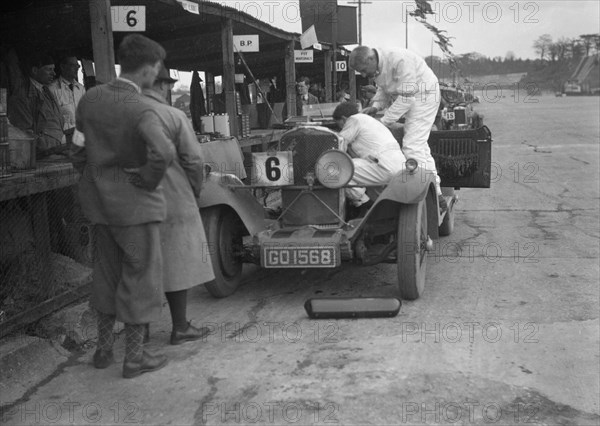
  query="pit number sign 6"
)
[
  {"x": 272, "y": 169},
  {"x": 128, "y": 18}
]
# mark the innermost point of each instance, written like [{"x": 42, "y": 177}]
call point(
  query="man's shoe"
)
[
  {"x": 189, "y": 334},
  {"x": 102, "y": 358},
  {"x": 146, "y": 364}
]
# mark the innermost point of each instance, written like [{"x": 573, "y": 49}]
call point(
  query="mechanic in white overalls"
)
[
  {"x": 406, "y": 86},
  {"x": 377, "y": 156}
]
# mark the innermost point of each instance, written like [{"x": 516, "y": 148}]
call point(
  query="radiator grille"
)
[
  {"x": 307, "y": 144},
  {"x": 322, "y": 205}
]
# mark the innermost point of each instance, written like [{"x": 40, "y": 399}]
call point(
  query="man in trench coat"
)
[{"x": 186, "y": 259}]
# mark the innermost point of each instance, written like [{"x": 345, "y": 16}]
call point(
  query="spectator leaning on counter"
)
[
  {"x": 118, "y": 128},
  {"x": 407, "y": 87},
  {"x": 35, "y": 109},
  {"x": 68, "y": 92},
  {"x": 186, "y": 262}
]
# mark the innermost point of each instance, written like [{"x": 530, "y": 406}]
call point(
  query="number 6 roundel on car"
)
[{"x": 272, "y": 168}]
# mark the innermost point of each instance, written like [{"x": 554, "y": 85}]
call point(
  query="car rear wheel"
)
[
  {"x": 224, "y": 232},
  {"x": 411, "y": 252}
]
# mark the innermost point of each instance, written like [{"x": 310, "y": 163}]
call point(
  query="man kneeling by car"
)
[{"x": 376, "y": 154}]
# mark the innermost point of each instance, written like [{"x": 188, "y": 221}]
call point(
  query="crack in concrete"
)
[
  {"x": 581, "y": 161},
  {"x": 547, "y": 234},
  {"x": 199, "y": 415},
  {"x": 252, "y": 318},
  {"x": 71, "y": 361},
  {"x": 535, "y": 148}
]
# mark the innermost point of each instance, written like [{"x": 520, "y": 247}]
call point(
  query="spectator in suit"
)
[
  {"x": 122, "y": 152},
  {"x": 303, "y": 97}
]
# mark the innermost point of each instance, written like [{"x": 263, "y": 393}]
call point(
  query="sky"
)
[
  {"x": 492, "y": 28},
  {"x": 489, "y": 27}
]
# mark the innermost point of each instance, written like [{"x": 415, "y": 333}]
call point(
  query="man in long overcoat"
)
[{"x": 186, "y": 259}]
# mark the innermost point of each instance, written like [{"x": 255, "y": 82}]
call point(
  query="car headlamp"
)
[{"x": 334, "y": 168}]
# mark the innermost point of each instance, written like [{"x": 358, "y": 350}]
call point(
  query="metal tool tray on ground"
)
[{"x": 462, "y": 157}]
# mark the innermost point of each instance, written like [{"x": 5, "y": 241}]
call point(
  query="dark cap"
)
[
  {"x": 39, "y": 60},
  {"x": 163, "y": 75},
  {"x": 369, "y": 88}
]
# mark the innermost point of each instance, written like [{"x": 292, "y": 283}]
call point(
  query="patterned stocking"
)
[
  {"x": 134, "y": 340},
  {"x": 105, "y": 331}
]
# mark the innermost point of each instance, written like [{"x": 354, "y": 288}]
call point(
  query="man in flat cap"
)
[{"x": 35, "y": 109}]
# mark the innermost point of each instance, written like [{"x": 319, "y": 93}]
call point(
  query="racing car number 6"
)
[{"x": 272, "y": 169}]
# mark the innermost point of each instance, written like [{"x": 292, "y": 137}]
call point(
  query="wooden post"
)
[
  {"x": 210, "y": 92},
  {"x": 328, "y": 72},
  {"x": 290, "y": 80},
  {"x": 334, "y": 31},
  {"x": 229, "y": 75},
  {"x": 102, "y": 40}
]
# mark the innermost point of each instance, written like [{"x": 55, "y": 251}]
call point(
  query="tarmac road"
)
[{"x": 507, "y": 331}]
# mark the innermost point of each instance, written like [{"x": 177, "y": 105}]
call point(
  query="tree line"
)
[
  {"x": 565, "y": 51},
  {"x": 566, "y": 48}
]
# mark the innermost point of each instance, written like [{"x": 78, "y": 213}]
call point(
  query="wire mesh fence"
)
[{"x": 46, "y": 249}]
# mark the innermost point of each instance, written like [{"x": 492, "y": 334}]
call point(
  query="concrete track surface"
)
[{"x": 506, "y": 332}]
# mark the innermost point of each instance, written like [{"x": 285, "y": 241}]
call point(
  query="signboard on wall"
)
[
  {"x": 128, "y": 18},
  {"x": 303, "y": 56},
  {"x": 246, "y": 43}
]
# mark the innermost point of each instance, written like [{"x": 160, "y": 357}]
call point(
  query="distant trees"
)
[
  {"x": 566, "y": 48},
  {"x": 589, "y": 42},
  {"x": 542, "y": 45}
]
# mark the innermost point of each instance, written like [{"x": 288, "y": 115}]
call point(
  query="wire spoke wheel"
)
[{"x": 411, "y": 252}]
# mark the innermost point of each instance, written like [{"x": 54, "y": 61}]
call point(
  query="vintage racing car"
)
[{"x": 312, "y": 229}]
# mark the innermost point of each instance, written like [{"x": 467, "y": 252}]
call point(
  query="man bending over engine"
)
[{"x": 376, "y": 154}]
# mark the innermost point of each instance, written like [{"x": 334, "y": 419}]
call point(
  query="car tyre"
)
[
  {"x": 411, "y": 252},
  {"x": 224, "y": 234}
]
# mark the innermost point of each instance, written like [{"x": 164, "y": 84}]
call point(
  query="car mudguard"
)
[
  {"x": 407, "y": 188},
  {"x": 221, "y": 189}
]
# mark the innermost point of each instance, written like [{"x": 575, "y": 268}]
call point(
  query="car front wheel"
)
[
  {"x": 224, "y": 232},
  {"x": 411, "y": 251}
]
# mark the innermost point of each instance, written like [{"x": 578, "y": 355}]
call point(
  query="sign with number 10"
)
[{"x": 272, "y": 169}]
